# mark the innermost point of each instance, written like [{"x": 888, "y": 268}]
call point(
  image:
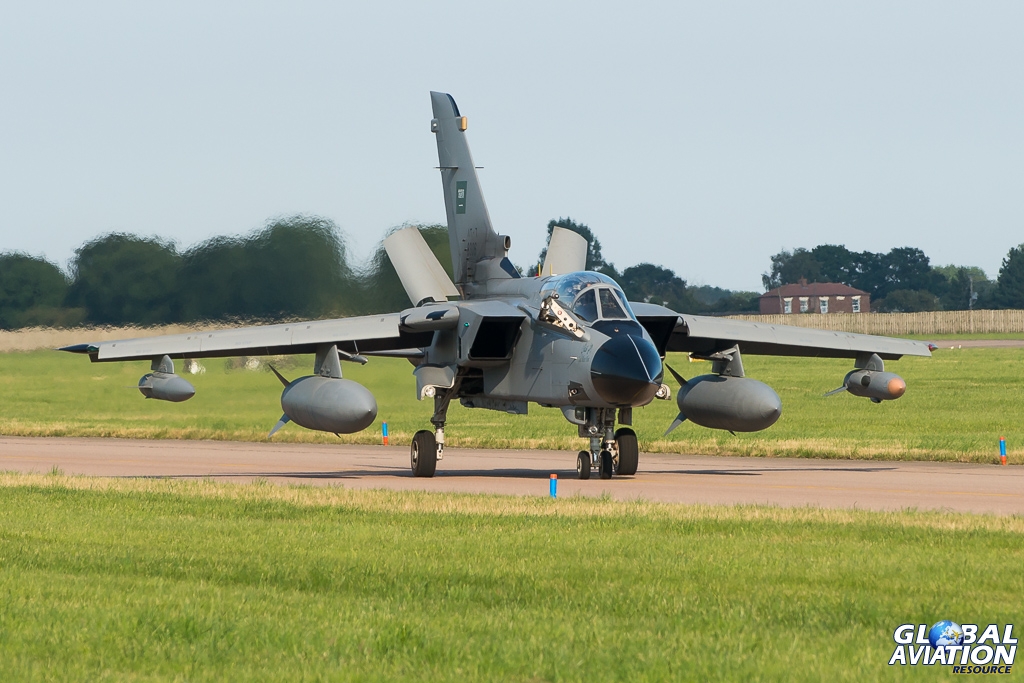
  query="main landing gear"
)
[
  {"x": 612, "y": 452},
  {"x": 428, "y": 447}
]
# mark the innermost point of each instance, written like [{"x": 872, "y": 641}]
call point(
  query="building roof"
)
[{"x": 814, "y": 289}]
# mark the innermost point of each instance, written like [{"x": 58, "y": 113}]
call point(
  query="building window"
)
[
  {"x": 804, "y": 304},
  {"x": 787, "y": 305},
  {"x": 823, "y": 304},
  {"x": 856, "y": 304}
]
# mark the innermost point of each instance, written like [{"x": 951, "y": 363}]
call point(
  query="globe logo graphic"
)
[{"x": 946, "y": 632}]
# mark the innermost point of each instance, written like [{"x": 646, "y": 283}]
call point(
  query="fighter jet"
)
[{"x": 494, "y": 339}]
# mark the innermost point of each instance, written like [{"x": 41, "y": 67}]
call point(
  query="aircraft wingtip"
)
[{"x": 78, "y": 348}]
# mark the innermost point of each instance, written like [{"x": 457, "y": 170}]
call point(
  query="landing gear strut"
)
[
  {"x": 611, "y": 452},
  {"x": 428, "y": 447}
]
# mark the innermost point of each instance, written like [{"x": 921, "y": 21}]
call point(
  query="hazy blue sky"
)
[{"x": 700, "y": 136}]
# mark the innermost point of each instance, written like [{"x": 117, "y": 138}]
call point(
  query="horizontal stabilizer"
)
[
  {"x": 567, "y": 253},
  {"x": 421, "y": 273}
]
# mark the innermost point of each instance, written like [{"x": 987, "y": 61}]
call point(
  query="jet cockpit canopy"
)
[{"x": 591, "y": 296}]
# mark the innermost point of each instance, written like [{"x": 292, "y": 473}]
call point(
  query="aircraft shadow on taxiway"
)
[
  {"x": 507, "y": 473},
  {"x": 396, "y": 472},
  {"x": 759, "y": 472}
]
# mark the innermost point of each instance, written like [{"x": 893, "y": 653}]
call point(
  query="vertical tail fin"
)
[{"x": 478, "y": 252}]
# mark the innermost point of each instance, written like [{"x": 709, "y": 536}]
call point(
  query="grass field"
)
[
  {"x": 957, "y": 406},
  {"x": 162, "y": 580}
]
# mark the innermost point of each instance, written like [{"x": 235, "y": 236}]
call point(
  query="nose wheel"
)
[
  {"x": 606, "y": 465},
  {"x": 583, "y": 465},
  {"x": 618, "y": 456},
  {"x": 629, "y": 452}
]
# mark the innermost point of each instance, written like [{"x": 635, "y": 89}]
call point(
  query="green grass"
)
[
  {"x": 957, "y": 406},
  {"x": 157, "y": 580}
]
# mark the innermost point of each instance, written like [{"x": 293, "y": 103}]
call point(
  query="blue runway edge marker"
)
[{"x": 554, "y": 485}]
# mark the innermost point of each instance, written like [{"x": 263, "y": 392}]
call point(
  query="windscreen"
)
[
  {"x": 586, "y": 306},
  {"x": 611, "y": 308}
]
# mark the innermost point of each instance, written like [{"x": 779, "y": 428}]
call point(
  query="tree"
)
[
  {"x": 1010, "y": 287},
  {"x": 908, "y": 268},
  {"x": 907, "y": 301},
  {"x": 656, "y": 284},
  {"x": 836, "y": 262},
  {"x": 789, "y": 267},
  {"x": 867, "y": 272},
  {"x": 595, "y": 261},
  {"x": 292, "y": 267},
  {"x": 32, "y": 291},
  {"x": 739, "y": 302},
  {"x": 968, "y": 287},
  {"x": 719, "y": 300},
  {"x": 123, "y": 279}
]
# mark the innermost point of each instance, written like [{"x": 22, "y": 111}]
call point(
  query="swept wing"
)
[
  {"x": 365, "y": 335},
  {"x": 704, "y": 335}
]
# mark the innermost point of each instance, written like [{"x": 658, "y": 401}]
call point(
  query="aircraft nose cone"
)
[{"x": 627, "y": 371}]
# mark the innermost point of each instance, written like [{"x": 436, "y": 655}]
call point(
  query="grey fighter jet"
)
[{"x": 496, "y": 340}]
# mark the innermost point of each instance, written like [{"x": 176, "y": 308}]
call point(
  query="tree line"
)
[
  {"x": 294, "y": 267},
  {"x": 299, "y": 267},
  {"x": 903, "y": 279}
]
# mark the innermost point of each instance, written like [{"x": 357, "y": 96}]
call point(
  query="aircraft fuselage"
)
[{"x": 610, "y": 362}]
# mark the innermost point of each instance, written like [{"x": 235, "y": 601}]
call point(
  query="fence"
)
[{"x": 931, "y": 322}]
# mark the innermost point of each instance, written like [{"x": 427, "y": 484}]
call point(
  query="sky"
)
[{"x": 703, "y": 137}]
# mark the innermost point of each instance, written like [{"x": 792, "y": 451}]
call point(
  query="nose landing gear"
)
[
  {"x": 428, "y": 447},
  {"x": 612, "y": 452}
]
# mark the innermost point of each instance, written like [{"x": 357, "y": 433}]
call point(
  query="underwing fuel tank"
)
[
  {"x": 166, "y": 386},
  {"x": 878, "y": 386},
  {"x": 738, "y": 404},
  {"x": 329, "y": 404}
]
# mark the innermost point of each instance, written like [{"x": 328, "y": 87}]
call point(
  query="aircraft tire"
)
[
  {"x": 423, "y": 454},
  {"x": 605, "y": 468},
  {"x": 583, "y": 465},
  {"x": 629, "y": 451}
]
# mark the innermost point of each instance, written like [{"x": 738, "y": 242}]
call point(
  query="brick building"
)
[{"x": 815, "y": 297}]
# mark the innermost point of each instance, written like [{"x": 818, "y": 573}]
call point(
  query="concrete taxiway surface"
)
[{"x": 662, "y": 477}]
